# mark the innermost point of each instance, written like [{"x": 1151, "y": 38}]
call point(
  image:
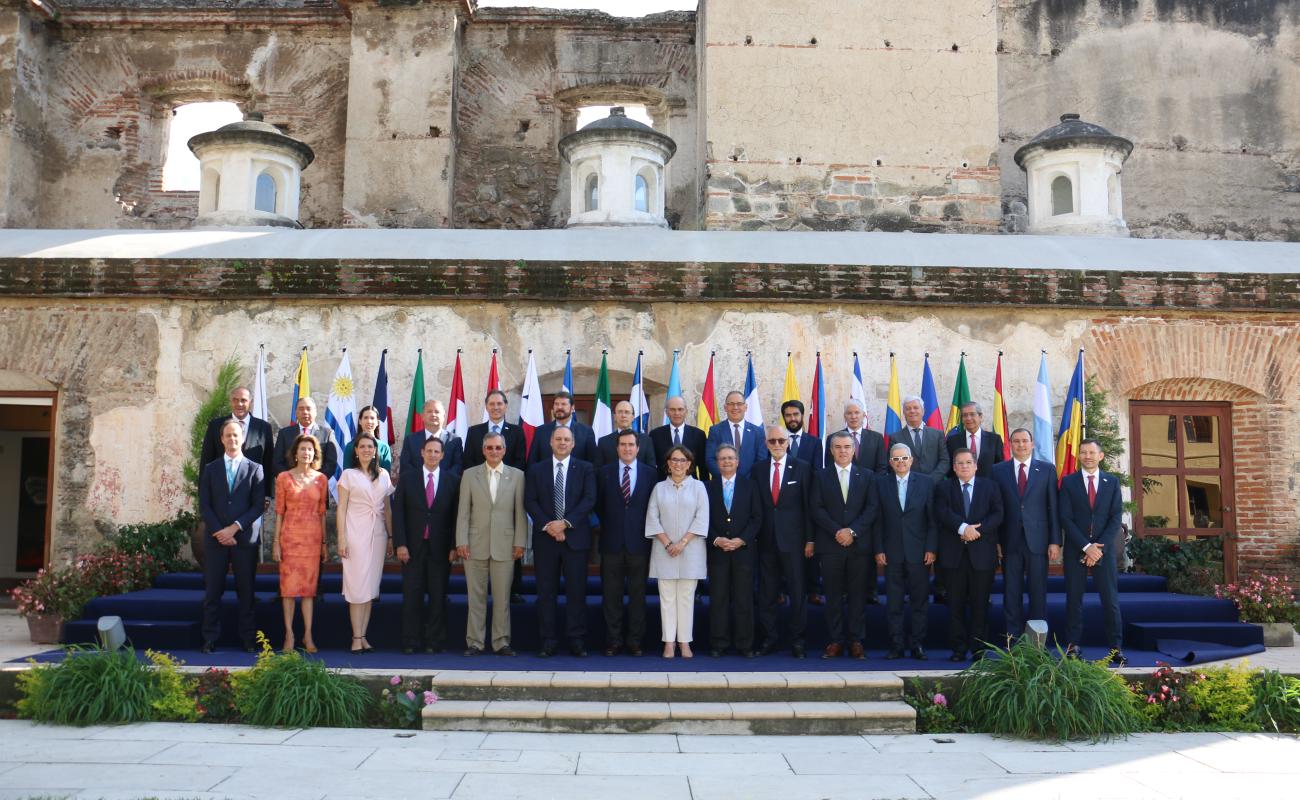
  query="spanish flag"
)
[
  {"x": 301, "y": 385},
  {"x": 1000, "y": 411},
  {"x": 1070, "y": 434},
  {"x": 706, "y": 415}
]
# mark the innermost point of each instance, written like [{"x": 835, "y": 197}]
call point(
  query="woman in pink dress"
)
[{"x": 365, "y": 534}]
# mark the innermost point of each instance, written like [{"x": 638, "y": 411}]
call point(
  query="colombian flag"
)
[
  {"x": 894, "y": 409},
  {"x": 1071, "y": 432},
  {"x": 706, "y": 415}
]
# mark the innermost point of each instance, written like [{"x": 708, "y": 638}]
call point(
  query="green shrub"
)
[
  {"x": 1166, "y": 702},
  {"x": 90, "y": 686},
  {"x": 934, "y": 712},
  {"x": 214, "y": 696},
  {"x": 1191, "y": 567},
  {"x": 286, "y": 690},
  {"x": 214, "y": 405},
  {"x": 1225, "y": 697},
  {"x": 402, "y": 701},
  {"x": 1277, "y": 702},
  {"x": 161, "y": 540},
  {"x": 175, "y": 700},
  {"x": 1030, "y": 693}
]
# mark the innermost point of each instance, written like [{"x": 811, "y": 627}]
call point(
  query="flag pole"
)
[{"x": 1083, "y": 391}]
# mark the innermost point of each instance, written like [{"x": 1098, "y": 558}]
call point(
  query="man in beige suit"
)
[{"x": 490, "y": 532}]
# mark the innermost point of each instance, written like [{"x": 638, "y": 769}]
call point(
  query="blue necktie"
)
[
  {"x": 902, "y": 494},
  {"x": 965, "y": 490},
  {"x": 728, "y": 491},
  {"x": 230, "y": 475},
  {"x": 559, "y": 491}
]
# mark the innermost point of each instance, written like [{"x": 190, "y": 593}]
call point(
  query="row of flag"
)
[{"x": 341, "y": 409}]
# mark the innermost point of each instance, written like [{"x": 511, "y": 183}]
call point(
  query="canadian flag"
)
[{"x": 457, "y": 414}]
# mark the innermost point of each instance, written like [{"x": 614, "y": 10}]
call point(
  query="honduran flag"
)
[
  {"x": 930, "y": 398},
  {"x": 1070, "y": 434},
  {"x": 894, "y": 406},
  {"x": 457, "y": 412},
  {"x": 530, "y": 403}
]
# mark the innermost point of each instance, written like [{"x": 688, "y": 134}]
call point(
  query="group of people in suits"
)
[{"x": 744, "y": 506}]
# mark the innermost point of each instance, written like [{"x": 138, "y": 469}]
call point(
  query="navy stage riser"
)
[{"x": 332, "y": 628}]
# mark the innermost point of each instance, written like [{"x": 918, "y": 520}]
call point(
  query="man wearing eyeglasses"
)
[
  {"x": 906, "y": 541},
  {"x": 746, "y": 437},
  {"x": 784, "y": 540}
]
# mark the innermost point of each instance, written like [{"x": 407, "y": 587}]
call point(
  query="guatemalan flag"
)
[
  {"x": 341, "y": 416},
  {"x": 640, "y": 404}
]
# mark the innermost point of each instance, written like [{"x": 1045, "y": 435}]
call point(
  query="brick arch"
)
[{"x": 568, "y": 101}]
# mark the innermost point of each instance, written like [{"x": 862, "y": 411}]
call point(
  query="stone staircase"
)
[{"x": 670, "y": 702}]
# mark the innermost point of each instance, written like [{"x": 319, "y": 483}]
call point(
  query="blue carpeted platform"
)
[{"x": 166, "y": 617}]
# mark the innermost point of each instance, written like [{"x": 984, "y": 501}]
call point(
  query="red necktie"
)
[
  {"x": 973, "y": 451},
  {"x": 1092, "y": 492},
  {"x": 1023, "y": 482},
  {"x": 776, "y": 482},
  {"x": 428, "y": 499}
]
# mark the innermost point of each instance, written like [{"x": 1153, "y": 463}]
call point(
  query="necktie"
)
[
  {"x": 626, "y": 485},
  {"x": 902, "y": 494},
  {"x": 844, "y": 484},
  {"x": 916, "y": 440},
  {"x": 728, "y": 491},
  {"x": 965, "y": 490},
  {"x": 776, "y": 482},
  {"x": 1022, "y": 482},
  {"x": 855, "y": 445},
  {"x": 677, "y": 437},
  {"x": 428, "y": 498},
  {"x": 494, "y": 478},
  {"x": 496, "y": 428},
  {"x": 794, "y": 445},
  {"x": 1092, "y": 491},
  {"x": 230, "y": 475},
  {"x": 973, "y": 451},
  {"x": 735, "y": 436},
  {"x": 559, "y": 491}
]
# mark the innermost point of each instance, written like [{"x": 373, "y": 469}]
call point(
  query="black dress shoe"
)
[
  {"x": 546, "y": 652},
  {"x": 797, "y": 651},
  {"x": 765, "y": 649},
  {"x": 473, "y": 651},
  {"x": 716, "y": 652},
  {"x": 208, "y": 647},
  {"x": 505, "y": 650},
  {"x": 918, "y": 653},
  {"x": 578, "y": 650},
  {"x": 431, "y": 649},
  {"x": 516, "y": 598},
  {"x": 894, "y": 654},
  {"x": 611, "y": 650},
  {"x": 956, "y": 657},
  {"x": 408, "y": 651},
  {"x": 747, "y": 653},
  {"x": 634, "y": 650},
  {"x": 872, "y": 600}
]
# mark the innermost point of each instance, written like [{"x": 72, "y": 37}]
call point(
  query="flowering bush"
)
[
  {"x": 60, "y": 592},
  {"x": 1165, "y": 693},
  {"x": 401, "y": 702},
  {"x": 175, "y": 691},
  {"x": 1191, "y": 567},
  {"x": 933, "y": 714},
  {"x": 214, "y": 696},
  {"x": 113, "y": 572},
  {"x": 1262, "y": 598}
]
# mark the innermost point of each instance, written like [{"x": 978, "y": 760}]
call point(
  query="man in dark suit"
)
[
  {"x": 735, "y": 515},
  {"x": 1031, "y": 530},
  {"x": 306, "y": 424},
  {"x": 677, "y": 432},
  {"x": 905, "y": 545},
  {"x": 929, "y": 452},
  {"x": 868, "y": 454},
  {"x": 559, "y": 496},
  {"x": 232, "y": 495},
  {"x": 516, "y": 457},
  {"x": 1092, "y": 521},
  {"x": 562, "y": 416},
  {"x": 785, "y": 539},
  {"x": 805, "y": 448},
  {"x": 844, "y": 510},
  {"x": 607, "y": 445},
  {"x": 258, "y": 436},
  {"x": 969, "y": 517},
  {"x": 746, "y": 437},
  {"x": 453, "y": 452},
  {"x": 987, "y": 445},
  {"x": 623, "y": 490},
  {"x": 424, "y": 533}
]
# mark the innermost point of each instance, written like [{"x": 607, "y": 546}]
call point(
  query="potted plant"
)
[
  {"x": 1267, "y": 601},
  {"x": 49, "y": 599}
]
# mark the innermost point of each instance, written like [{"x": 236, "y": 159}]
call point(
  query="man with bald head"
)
[
  {"x": 868, "y": 446},
  {"x": 675, "y": 433},
  {"x": 785, "y": 539},
  {"x": 607, "y": 446},
  {"x": 257, "y": 434},
  {"x": 433, "y": 414}
]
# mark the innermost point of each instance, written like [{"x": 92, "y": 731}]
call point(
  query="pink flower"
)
[
  {"x": 430, "y": 698},
  {"x": 940, "y": 700},
  {"x": 395, "y": 680},
  {"x": 1175, "y": 698},
  {"x": 410, "y": 695},
  {"x": 1151, "y": 699}
]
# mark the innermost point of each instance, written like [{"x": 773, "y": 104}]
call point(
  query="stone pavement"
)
[{"x": 176, "y": 760}]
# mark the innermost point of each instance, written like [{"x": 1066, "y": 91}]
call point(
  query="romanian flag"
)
[
  {"x": 791, "y": 389},
  {"x": 816, "y": 423},
  {"x": 301, "y": 385},
  {"x": 930, "y": 398},
  {"x": 457, "y": 422},
  {"x": 1070, "y": 434},
  {"x": 494, "y": 383},
  {"x": 1000, "y": 411},
  {"x": 415, "y": 422},
  {"x": 894, "y": 408},
  {"x": 706, "y": 415},
  {"x": 960, "y": 397}
]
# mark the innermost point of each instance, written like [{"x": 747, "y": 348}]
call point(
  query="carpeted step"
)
[
  {"x": 1145, "y": 635},
  {"x": 151, "y": 634}
]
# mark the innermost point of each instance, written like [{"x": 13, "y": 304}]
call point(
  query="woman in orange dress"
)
[{"x": 299, "y": 545}]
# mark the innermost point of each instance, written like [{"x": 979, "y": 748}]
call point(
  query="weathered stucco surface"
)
[
  {"x": 1209, "y": 93},
  {"x": 22, "y": 103}
]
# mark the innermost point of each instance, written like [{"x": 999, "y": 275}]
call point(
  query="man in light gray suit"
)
[
  {"x": 491, "y": 529},
  {"x": 929, "y": 452}
]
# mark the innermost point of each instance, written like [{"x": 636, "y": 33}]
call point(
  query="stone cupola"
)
[
  {"x": 250, "y": 174},
  {"x": 616, "y": 172},
  {"x": 1073, "y": 169}
]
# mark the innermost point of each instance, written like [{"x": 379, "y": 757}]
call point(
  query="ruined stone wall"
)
[
  {"x": 1209, "y": 92},
  {"x": 114, "y": 80},
  {"x": 524, "y": 73},
  {"x": 22, "y": 103},
  {"x": 843, "y": 115}
]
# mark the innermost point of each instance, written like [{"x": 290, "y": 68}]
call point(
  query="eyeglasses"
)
[
  {"x": 777, "y": 441},
  {"x": 493, "y": 447},
  {"x": 900, "y": 458}
]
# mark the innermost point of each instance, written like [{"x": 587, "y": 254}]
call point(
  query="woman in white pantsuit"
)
[{"x": 678, "y": 520}]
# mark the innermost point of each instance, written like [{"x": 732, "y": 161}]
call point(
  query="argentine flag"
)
[{"x": 1043, "y": 415}]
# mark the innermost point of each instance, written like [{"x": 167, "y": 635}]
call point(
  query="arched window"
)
[
  {"x": 210, "y": 191},
  {"x": 641, "y": 194},
  {"x": 591, "y": 193},
  {"x": 1062, "y": 196},
  {"x": 265, "y": 197},
  {"x": 180, "y": 167}
]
